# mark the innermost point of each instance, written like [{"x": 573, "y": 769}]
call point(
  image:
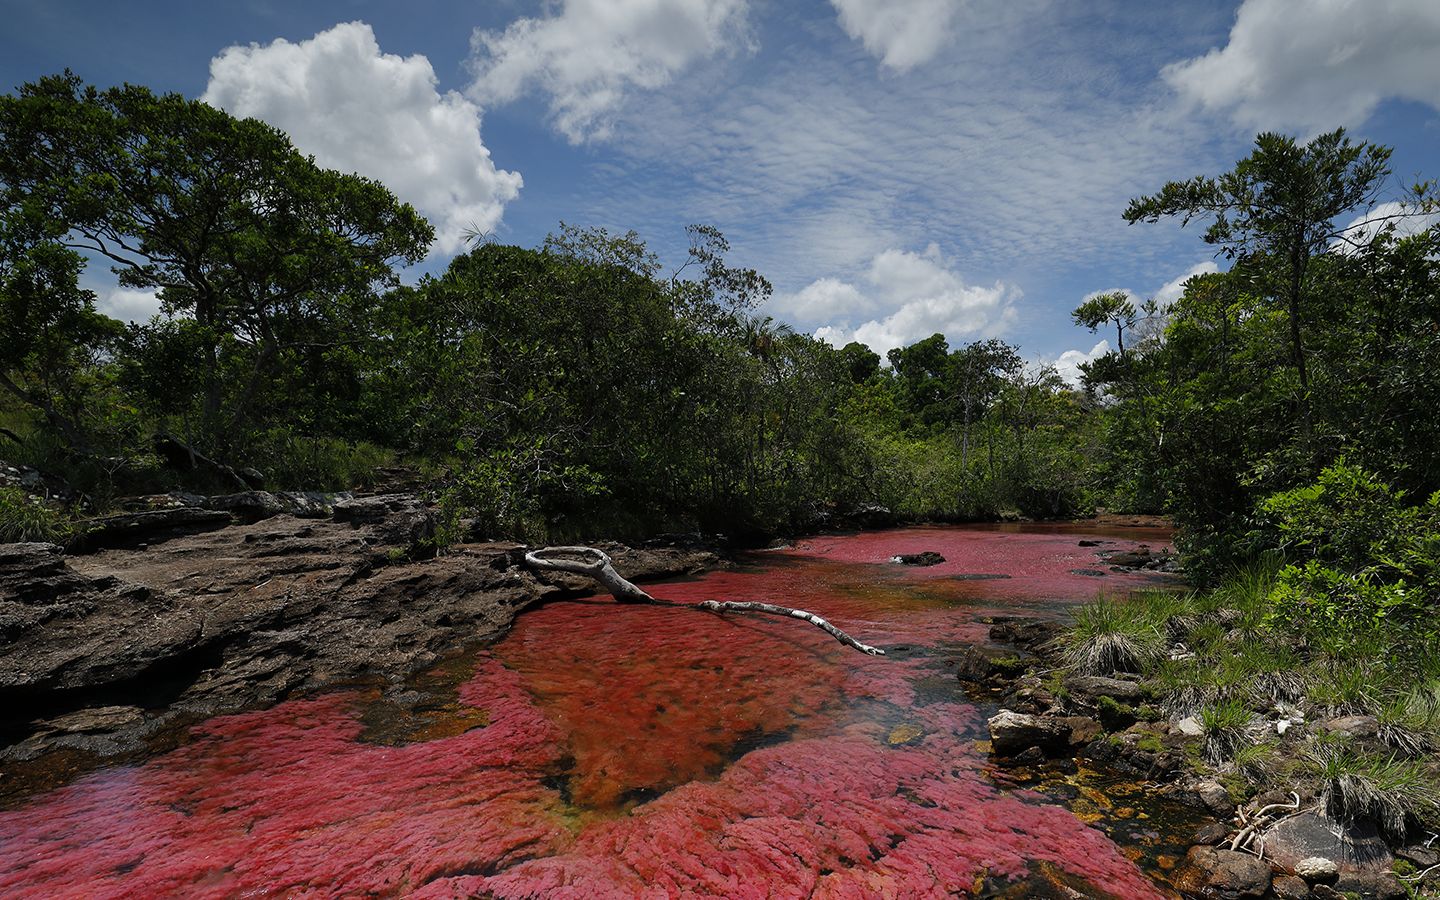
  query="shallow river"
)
[{"x": 604, "y": 750}]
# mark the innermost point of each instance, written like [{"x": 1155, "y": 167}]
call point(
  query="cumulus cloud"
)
[
  {"x": 1068, "y": 363},
  {"x": 1175, "y": 287},
  {"x": 1405, "y": 219},
  {"x": 357, "y": 109},
  {"x": 590, "y": 53},
  {"x": 1317, "y": 64},
  {"x": 128, "y": 304},
  {"x": 900, "y": 33},
  {"x": 923, "y": 296}
]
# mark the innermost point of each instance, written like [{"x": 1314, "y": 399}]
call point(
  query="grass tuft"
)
[{"x": 1112, "y": 637}]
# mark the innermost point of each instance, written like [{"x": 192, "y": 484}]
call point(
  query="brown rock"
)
[
  {"x": 1353, "y": 847},
  {"x": 1012, "y": 732},
  {"x": 1212, "y": 872},
  {"x": 1288, "y": 887}
]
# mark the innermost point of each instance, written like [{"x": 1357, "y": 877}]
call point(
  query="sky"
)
[{"x": 895, "y": 167}]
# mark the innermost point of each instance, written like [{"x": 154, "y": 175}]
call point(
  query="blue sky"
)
[{"x": 896, "y": 167}]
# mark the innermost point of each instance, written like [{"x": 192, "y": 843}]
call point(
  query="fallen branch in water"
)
[{"x": 598, "y": 565}]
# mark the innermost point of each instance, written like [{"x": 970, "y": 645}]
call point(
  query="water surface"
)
[{"x": 616, "y": 750}]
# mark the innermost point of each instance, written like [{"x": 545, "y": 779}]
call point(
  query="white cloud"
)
[
  {"x": 128, "y": 304},
  {"x": 900, "y": 33},
  {"x": 590, "y": 53},
  {"x": 1406, "y": 219},
  {"x": 1315, "y": 64},
  {"x": 1175, "y": 287},
  {"x": 1068, "y": 363},
  {"x": 357, "y": 109},
  {"x": 924, "y": 295},
  {"x": 824, "y": 299}
]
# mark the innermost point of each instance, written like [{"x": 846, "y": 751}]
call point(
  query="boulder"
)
[
  {"x": 1189, "y": 727},
  {"x": 1301, "y": 840},
  {"x": 982, "y": 664},
  {"x": 1351, "y": 726},
  {"x": 1011, "y": 733},
  {"x": 1214, "y": 872},
  {"x": 1317, "y": 868},
  {"x": 1367, "y": 885},
  {"x": 1288, "y": 887}
]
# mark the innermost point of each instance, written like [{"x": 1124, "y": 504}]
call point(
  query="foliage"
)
[
  {"x": 1112, "y": 636},
  {"x": 25, "y": 518}
]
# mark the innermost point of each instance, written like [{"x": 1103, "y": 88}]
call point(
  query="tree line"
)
[{"x": 573, "y": 389}]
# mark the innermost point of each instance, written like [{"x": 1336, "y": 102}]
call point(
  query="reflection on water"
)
[{"x": 619, "y": 750}]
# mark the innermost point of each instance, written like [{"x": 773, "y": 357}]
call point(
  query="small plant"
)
[
  {"x": 1112, "y": 637},
  {"x": 1225, "y": 724},
  {"x": 1255, "y": 761},
  {"x": 24, "y": 518},
  {"x": 1409, "y": 721},
  {"x": 1397, "y": 793},
  {"x": 1342, "y": 688}
]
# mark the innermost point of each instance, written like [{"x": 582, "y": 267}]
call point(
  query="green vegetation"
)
[
  {"x": 571, "y": 390},
  {"x": 23, "y": 518}
]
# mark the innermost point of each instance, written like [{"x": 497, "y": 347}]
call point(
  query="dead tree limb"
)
[{"x": 598, "y": 565}]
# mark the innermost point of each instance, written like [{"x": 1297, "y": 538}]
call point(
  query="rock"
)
[
  {"x": 1012, "y": 732},
  {"x": 980, "y": 577},
  {"x": 1351, "y": 847},
  {"x": 1084, "y": 543},
  {"x": 927, "y": 558},
  {"x": 987, "y": 665},
  {"x": 1317, "y": 868},
  {"x": 1027, "y": 634},
  {"x": 103, "y": 718},
  {"x": 1376, "y": 885},
  {"x": 1083, "y": 729},
  {"x": 1031, "y": 756},
  {"x": 129, "y": 529},
  {"x": 1213, "y": 872},
  {"x": 1213, "y": 833},
  {"x": 1100, "y": 686},
  {"x": 252, "y": 506},
  {"x": 1419, "y": 856},
  {"x": 401, "y": 520},
  {"x": 1129, "y": 559},
  {"x": 1288, "y": 887},
  {"x": 1089, "y": 573},
  {"x": 1189, "y": 727},
  {"x": 1351, "y": 726}
]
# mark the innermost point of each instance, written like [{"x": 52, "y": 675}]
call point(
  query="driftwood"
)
[{"x": 598, "y": 565}]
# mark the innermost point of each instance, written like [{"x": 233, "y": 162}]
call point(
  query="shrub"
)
[{"x": 25, "y": 518}]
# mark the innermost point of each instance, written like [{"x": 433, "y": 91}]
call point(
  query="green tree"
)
[
  {"x": 221, "y": 216},
  {"x": 1274, "y": 213},
  {"x": 1103, "y": 309}
]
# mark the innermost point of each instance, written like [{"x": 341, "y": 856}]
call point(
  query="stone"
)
[
  {"x": 1419, "y": 856},
  {"x": 1214, "y": 872},
  {"x": 927, "y": 558},
  {"x": 129, "y": 529},
  {"x": 1089, "y": 573},
  {"x": 1012, "y": 732},
  {"x": 1189, "y": 727},
  {"x": 1288, "y": 887},
  {"x": 1027, "y": 634},
  {"x": 1351, "y": 726},
  {"x": 1349, "y": 846},
  {"x": 1213, "y": 833},
  {"x": 1100, "y": 686},
  {"x": 1083, "y": 729},
  {"x": 1371, "y": 886},
  {"x": 1129, "y": 559},
  {"x": 1214, "y": 795},
  {"x": 1317, "y": 868},
  {"x": 981, "y": 664},
  {"x": 103, "y": 718},
  {"x": 980, "y": 576}
]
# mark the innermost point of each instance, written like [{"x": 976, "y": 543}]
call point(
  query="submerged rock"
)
[
  {"x": 1213, "y": 872},
  {"x": 926, "y": 558}
]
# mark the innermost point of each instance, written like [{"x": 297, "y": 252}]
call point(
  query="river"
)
[{"x": 617, "y": 750}]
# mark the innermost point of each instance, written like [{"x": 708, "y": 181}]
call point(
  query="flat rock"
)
[
  {"x": 1352, "y": 847},
  {"x": 1351, "y": 726},
  {"x": 1213, "y": 872},
  {"x": 1189, "y": 727},
  {"x": 1089, "y": 573},
  {"x": 1012, "y": 732},
  {"x": 926, "y": 558},
  {"x": 1100, "y": 686},
  {"x": 1288, "y": 887},
  {"x": 130, "y": 529}
]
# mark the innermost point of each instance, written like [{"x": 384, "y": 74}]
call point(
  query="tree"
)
[
  {"x": 977, "y": 372},
  {"x": 1275, "y": 212},
  {"x": 1103, "y": 308},
  {"x": 221, "y": 216}
]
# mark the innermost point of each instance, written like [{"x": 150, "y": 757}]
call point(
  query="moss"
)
[
  {"x": 1150, "y": 743},
  {"x": 1115, "y": 715}
]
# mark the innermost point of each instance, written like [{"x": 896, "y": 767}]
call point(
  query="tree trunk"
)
[{"x": 600, "y": 567}]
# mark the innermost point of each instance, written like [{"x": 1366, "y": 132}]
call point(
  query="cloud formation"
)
[
  {"x": 128, "y": 304},
  {"x": 1068, "y": 363},
  {"x": 900, "y": 33},
  {"x": 1314, "y": 65},
  {"x": 923, "y": 294},
  {"x": 1173, "y": 289},
  {"x": 357, "y": 109},
  {"x": 591, "y": 53}
]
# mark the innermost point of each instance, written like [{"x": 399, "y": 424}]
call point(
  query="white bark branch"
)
[{"x": 598, "y": 565}]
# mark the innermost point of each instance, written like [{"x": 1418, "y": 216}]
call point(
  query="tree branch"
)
[{"x": 598, "y": 565}]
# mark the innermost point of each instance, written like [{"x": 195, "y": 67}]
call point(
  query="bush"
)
[
  {"x": 24, "y": 518},
  {"x": 1112, "y": 637}
]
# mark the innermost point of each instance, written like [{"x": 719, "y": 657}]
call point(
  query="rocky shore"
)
[
  {"x": 1274, "y": 842},
  {"x": 188, "y": 607}
]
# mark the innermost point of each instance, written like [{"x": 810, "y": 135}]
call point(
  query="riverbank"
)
[{"x": 1314, "y": 794}]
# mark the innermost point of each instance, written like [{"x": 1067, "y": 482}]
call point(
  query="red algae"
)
[{"x": 627, "y": 751}]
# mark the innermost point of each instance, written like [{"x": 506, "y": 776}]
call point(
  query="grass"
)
[
  {"x": 1226, "y": 724},
  {"x": 1396, "y": 793},
  {"x": 24, "y": 518},
  {"x": 1109, "y": 636}
]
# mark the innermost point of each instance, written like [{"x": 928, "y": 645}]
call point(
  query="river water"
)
[{"x": 605, "y": 750}]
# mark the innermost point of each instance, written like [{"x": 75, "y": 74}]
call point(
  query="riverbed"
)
[{"x": 618, "y": 750}]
